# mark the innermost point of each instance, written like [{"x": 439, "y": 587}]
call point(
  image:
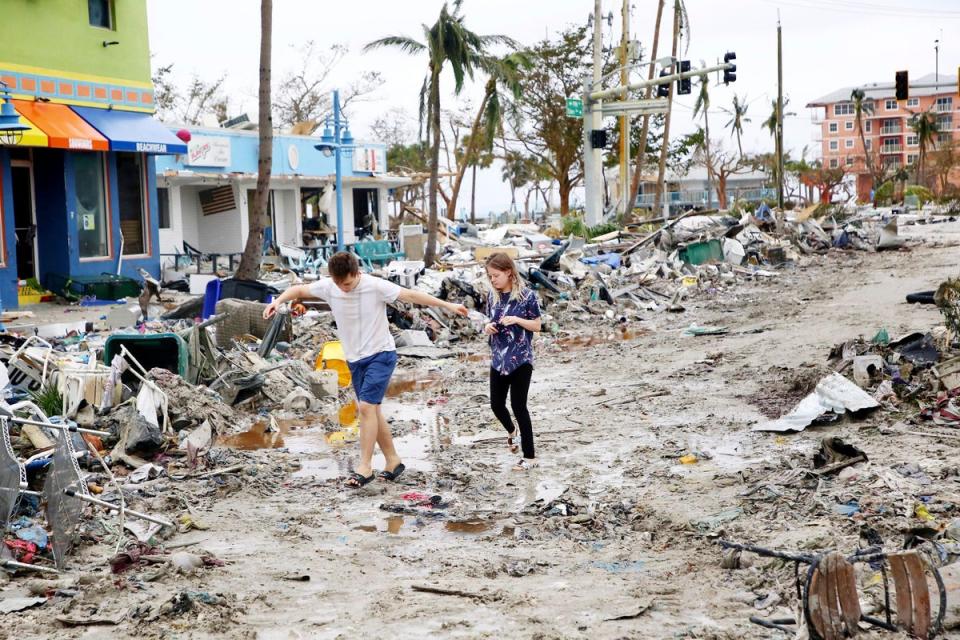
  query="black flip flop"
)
[
  {"x": 355, "y": 481},
  {"x": 393, "y": 475}
]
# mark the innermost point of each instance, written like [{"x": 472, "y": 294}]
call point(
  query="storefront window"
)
[
  {"x": 130, "y": 191},
  {"x": 91, "y": 210}
]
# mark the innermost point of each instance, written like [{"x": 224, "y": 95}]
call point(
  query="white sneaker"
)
[{"x": 526, "y": 464}]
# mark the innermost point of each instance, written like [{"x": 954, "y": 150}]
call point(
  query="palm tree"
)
[
  {"x": 447, "y": 42},
  {"x": 642, "y": 151},
  {"x": 503, "y": 74},
  {"x": 703, "y": 104},
  {"x": 249, "y": 268},
  {"x": 862, "y": 106},
  {"x": 925, "y": 126},
  {"x": 738, "y": 117}
]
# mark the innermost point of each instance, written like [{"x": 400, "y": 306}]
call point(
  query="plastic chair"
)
[{"x": 210, "y": 298}]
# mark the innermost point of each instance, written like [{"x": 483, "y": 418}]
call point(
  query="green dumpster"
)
[
  {"x": 701, "y": 252},
  {"x": 164, "y": 350}
]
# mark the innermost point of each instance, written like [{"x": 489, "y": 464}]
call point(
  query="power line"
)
[{"x": 867, "y": 9}]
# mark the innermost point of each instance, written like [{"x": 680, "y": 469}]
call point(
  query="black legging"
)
[{"x": 518, "y": 384}]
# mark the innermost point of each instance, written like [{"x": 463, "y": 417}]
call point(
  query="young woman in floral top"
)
[{"x": 514, "y": 317}]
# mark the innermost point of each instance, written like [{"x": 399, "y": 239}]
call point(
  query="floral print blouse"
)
[{"x": 512, "y": 346}]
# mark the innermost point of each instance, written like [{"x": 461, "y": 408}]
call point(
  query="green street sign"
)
[{"x": 574, "y": 108}]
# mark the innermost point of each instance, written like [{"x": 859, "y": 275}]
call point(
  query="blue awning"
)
[{"x": 132, "y": 131}]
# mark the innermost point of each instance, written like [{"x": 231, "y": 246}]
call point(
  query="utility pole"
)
[
  {"x": 593, "y": 121},
  {"x": 645, "y": 130},
  {"x": 936, "y": 55},
  {"x": 665, "y": 143},
  {"x": 779, "y": 116},
  {"x": 625, "y": 205}
]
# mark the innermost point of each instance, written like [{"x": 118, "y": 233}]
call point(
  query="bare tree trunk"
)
[
  {"x": 249, "y": 268},
  {"x": 473, "y": 196},
  {"x": 642, "y": 153},
  {"x": 722, "y": 191},
  {"x": 430, "y": 253},
  {"x": 563, "y": 189},
  {"x": 666, "y": 124}
]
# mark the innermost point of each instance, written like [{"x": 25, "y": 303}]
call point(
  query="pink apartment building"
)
[{"x": 889, "y": 138}]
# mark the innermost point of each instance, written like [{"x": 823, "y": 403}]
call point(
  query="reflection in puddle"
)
[
  {"x": 580, "y": 342},
  {"x": 427, "y": 432},
  {"x": 468, "y": 526},
  {"x": 258, "y": 437},
  {"x": 394, "y": 523},
  {"x": 407, "y": 383}
]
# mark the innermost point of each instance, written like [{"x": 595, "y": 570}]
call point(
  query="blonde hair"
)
[{"x": 502, "y": 262}]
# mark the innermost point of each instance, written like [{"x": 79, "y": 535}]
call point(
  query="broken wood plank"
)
[{"x": 446, "y": 592}]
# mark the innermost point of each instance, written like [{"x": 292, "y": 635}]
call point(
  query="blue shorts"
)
[{"x": 371, "y": 376}]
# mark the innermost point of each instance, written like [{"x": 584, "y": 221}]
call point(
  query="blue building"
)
[
  {"x": 206, "y": 193},
  {"x": 78, "y": 188}
]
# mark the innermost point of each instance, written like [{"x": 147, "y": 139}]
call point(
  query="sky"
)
[{"x": 827, "y": 44}]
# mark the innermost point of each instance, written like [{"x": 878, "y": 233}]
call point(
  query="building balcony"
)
[
  {"x": 891, "y": 148},
  {"x": 889, "y": 131},
  {"x": 943, "y": 108}
]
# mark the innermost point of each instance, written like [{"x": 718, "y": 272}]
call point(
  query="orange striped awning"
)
[{"x": 64, "y": 128}]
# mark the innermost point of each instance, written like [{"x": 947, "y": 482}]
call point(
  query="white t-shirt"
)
[{"x": 361, "y": 314}]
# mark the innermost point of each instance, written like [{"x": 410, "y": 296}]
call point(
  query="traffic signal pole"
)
[
  {"x": 625, "y": 205},
  {"x": 593, "y": 120}
]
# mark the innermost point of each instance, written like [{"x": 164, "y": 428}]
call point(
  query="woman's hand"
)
[
  {"x": 490, "y": 329},
  {"x": 509, "y": 320}
]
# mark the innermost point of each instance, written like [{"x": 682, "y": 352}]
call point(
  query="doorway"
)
[
  {"x": 25, "y": 218},
  {"x": 366, "y": 212}
]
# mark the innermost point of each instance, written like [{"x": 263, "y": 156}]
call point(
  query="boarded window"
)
[{"x": 217, "y": 200}]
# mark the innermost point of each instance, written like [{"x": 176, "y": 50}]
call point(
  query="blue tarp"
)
[
  {"x": 132, "y": 131},
  {"x": 612, "y": 259}
]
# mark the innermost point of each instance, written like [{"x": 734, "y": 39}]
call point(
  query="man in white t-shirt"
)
[{"x": 359, "y": 305}]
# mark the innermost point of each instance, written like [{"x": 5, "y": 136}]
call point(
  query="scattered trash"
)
[{"x": 833, "y": 394}]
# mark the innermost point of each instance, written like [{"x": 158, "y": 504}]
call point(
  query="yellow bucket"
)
[{"x": 331, "y": 357}]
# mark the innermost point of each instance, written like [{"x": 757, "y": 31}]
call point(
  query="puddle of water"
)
[
  {"x": 581, "y": 342},
  {"x": 468, "y": 526},
  {"x": 429, "y": 432},
  {"x": 257, "y": 437},
  {"x": 412, "y": 382}
]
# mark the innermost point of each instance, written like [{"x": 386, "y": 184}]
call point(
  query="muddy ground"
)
[{"x": 612, "y": 537}]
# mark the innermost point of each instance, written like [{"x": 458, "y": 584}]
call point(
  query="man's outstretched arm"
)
[
  {"x": 414, "y": 296},
  {"x": 297, "y": 292}
]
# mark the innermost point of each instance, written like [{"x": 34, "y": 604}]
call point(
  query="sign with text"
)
[
  {"x": 370, "y": 159},
  {"x": 574, "y": 108},
  {"x": 207, "y": 151}
]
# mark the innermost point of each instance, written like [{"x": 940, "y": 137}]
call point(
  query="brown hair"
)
[
  {"x": 502, "y": 262},
  {"x": 342, "y": 265}
]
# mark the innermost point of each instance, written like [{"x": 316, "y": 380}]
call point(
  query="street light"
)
[
  {"x": 337, "y": 142},
  {"x": 11, "y": 129}
]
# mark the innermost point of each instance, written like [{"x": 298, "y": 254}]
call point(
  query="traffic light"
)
[
  {"x": 663, "y": 90},
  {"x": 598, "y": 139},
  {"x": 903, "y": 85},
  {"x": 730, "y": 74},
  {"x": 683, "y": 84}
]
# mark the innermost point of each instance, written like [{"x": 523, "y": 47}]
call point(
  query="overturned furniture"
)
[{"x": 830, "y": 600}]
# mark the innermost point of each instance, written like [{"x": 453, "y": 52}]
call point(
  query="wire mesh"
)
[
  {"x": 13, "y": 477},
  {"x": 63, "y": 511}
]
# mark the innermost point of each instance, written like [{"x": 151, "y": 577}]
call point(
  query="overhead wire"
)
[{"x": 867, "y": 9}]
